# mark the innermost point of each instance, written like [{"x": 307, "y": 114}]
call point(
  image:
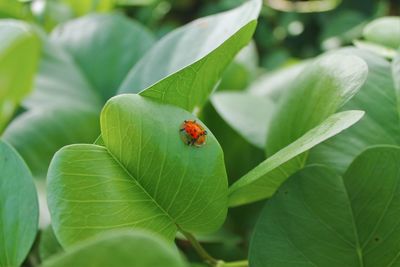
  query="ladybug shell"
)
[{"x": 193, "y": 133}]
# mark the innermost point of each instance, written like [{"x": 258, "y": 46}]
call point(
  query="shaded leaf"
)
[
  {"x": 262, "y": 181},
  {"x": 380, "y": 125},
  {"x": 321, "y": 219},
  {"x": 120, "y": 249},
  {"x": 48, "y": 245},
  {"x": 73, "y": 84},
  {"x": 320, "y": 90},
  {"x": 19, "y": 209},
  {"x": 105, "y": 47},
  {"x": 249, "y": 115}
]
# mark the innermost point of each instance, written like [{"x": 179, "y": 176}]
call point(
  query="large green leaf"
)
[
  {"x": 72, "y": 85},
  {"x": 18, "y": 44},
  {"x": 321, "y": 89},
  {"x": 144, "y": 177},
  {"x": 321, "y": 219},
  {"x": 183, "y": 68},
  {"x": 263, "y": 181},
  {"x": 384, "y": 31},
  {"x": 120, "y": 249},
  {"x": 105, "y": 47},
  {"x": 380, "y": 125},
  {"x": 19, "y": 210}
]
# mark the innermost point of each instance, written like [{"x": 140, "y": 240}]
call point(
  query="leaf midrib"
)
[{"x": 142, "y": 188}]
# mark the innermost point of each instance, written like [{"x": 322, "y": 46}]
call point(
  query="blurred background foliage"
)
[{"x": 287, "y": 30}]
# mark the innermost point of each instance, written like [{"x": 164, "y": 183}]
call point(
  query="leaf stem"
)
[
  {"x": 244, "y": 263},
  {"x": 200, "y": 250}
]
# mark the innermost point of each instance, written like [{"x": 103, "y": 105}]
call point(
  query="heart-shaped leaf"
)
[
  {"x": 18, "y": 44},
  {"x": 186, "y": 79},
  {"x": 144, "y": 177},
  {"x": 120, "y": 249},
  {"x": 19, "y": 210},
  {"x": 262, "y": 181},
  {"x": 321, "y": 219}
]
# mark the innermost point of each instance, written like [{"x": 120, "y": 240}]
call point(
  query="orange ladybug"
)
[{"x": 193, "y": 133}]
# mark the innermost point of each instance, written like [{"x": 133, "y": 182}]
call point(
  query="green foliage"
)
[
  {"x": 120, "y": 249},
  {"x": 311, "y": 150},
  {"x": 18, "y": 44},
  {"x": 178, "y": 78},
  {"x": 262, "y": 181},
  {"x": 319, "y": 218},
  {"x": 19, "y": 210},
  {"x": 384, "y": 31},
  {"x": 145, "y": 168}
]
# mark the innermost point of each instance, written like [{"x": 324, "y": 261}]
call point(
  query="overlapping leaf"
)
[
  {"x": 378, "y": 98},
  {"x": 18, "y": 44},
  {"x": 193, "y": 58},
  {"x": 19, "y": 210},
  {"x": 70, "y": 89},
  {"x": 144, "y": 177},
  {"x": 263, "y": 181},
  {"x": 120, "y": 249},
  {"x": 321, "y": 219},
  {"x": 321, "y": 89}
]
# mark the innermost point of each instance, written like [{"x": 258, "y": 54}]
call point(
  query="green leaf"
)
[
  {"x": 274, "y": 85},
  {"x": 321, "y": 219},
  {"x": 396, "y": 75},
  {"x": 380, "y": 125},
  {"x": 249, "y": 115},
  {"x": 19, "y": 209},
  {"x": 120, "y": 249},
  {"x": 48, "y": 245},
  {"x": 378, "y": 49},
  {"x": 193, "y": 58},
  {"x": 72, "y": 85},
  {"x": 18, "y": 44},
  {"x": 144, "y": 177},
  {"x": 321, "y": 89},
  {"x": 105, "y": 47},
  {"x": 263, "y": 181},
  {"x": 242, "y": 70},
  {"x": 384, "y": 31}
]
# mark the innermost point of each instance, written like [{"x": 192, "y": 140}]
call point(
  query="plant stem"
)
[
  {"x": 200, "y": 250},
  {"x": 234, "y": 264},
  {"x": 207, "y": 257}
]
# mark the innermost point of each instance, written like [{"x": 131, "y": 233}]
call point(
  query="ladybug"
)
[{"x": 192, "y": 133}]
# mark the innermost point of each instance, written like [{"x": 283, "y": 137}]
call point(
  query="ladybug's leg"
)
[
  {"x": 188, "y": 142},
  {"x": 182, "y": 129},
  {"x": 193, "y": 141}
]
